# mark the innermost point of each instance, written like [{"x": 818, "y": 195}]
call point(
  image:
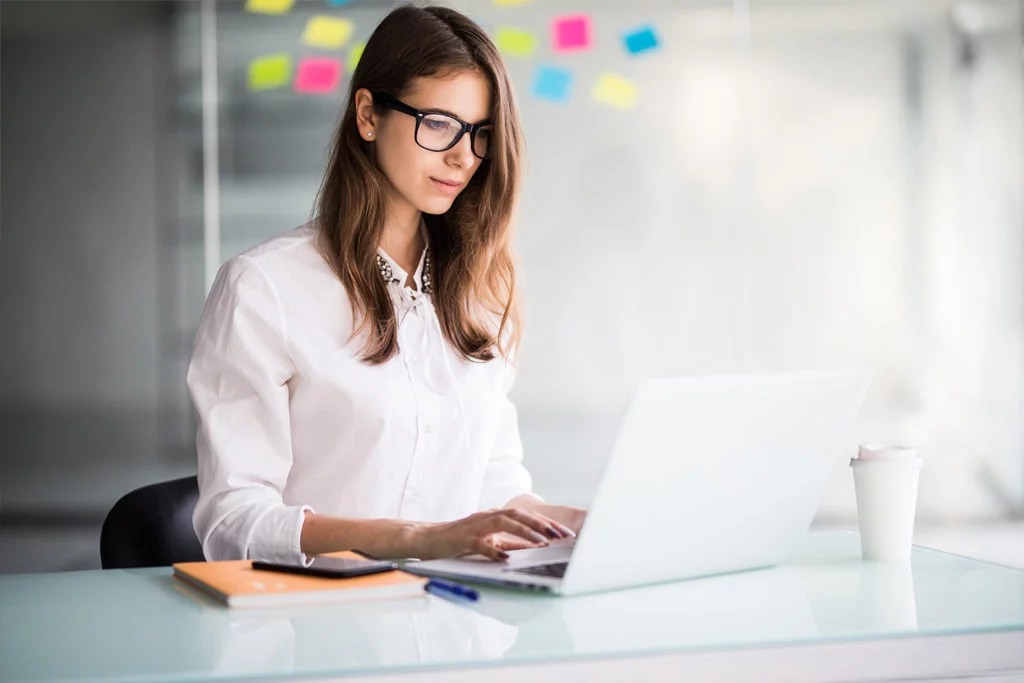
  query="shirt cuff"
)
[{"x": 277, "y": 535}]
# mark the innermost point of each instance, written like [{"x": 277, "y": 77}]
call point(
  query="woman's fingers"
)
[
  {"x": 562, "y": 529},
  {"x": 492, "y": 533},
  {"x": 508, "y": 542},
  {"x": 487, "y": 549},
  {"x": 509, "y": 525},
  {"x": 538, "y": 523}
]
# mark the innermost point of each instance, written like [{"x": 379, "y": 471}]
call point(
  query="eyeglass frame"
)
[{"x": 392, "y": 102}]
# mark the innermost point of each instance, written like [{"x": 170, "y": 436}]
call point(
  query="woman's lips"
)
[{"x": 447, "y": 186}]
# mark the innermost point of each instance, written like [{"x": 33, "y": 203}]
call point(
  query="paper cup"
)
[{"x": 885, "y": 480}]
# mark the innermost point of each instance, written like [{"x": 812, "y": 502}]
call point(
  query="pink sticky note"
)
[
  {"x": 571, "y": 33},
  {"x": 317, "y": 75}
]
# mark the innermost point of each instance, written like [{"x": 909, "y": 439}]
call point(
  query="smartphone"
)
[{"x": 330, "y": 567}]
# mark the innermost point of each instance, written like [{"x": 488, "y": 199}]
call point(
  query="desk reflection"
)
[{"x": 350, "y": 637}]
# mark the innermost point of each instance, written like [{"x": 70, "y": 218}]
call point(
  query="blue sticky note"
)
[
  {"x": 640, "y": 40},
  {"x": 552, "y": 83},
  {"x": 338, "y": 2}
]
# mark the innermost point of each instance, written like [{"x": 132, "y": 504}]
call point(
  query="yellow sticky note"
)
[
  {"x": 272, "y": 71},
  {"x": 354, "y": 53},
  {"x": 268, "y": 6},
  {"x": 615, "y": 91},
  {"x": 509, "y": 3},
  {"x": 515, "y": 41},
  {"x": 327, "y": 32}
]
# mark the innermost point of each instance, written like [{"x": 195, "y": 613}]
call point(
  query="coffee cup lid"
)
[{"x": 874, "y": 451}]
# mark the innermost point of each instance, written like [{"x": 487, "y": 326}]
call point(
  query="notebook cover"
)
[{"x": 236, "y": 583}]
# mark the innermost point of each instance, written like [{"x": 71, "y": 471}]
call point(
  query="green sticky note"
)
[
  {"x": 354, "y": 53},
  {"x": 272, "y": 71},
  {"x": 515, "y": 41}
]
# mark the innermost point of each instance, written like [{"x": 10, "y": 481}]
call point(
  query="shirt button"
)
[{"x": 431, "y": 428}]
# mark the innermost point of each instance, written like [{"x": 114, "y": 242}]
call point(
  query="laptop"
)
[{"x": 708, "y": 475}]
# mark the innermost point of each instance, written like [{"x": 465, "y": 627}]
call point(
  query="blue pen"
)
[{"x": 450, "y": 589}]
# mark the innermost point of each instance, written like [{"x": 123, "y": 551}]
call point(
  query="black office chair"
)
[{"x": 152, "y": 527}]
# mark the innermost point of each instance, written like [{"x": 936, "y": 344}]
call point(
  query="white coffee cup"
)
[{"x": 885, "y": 480}]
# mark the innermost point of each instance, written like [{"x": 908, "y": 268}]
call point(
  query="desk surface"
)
[{"x": 143, "y": 624}]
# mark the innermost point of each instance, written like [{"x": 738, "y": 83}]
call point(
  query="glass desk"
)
[{"x": 825, "y": 616}]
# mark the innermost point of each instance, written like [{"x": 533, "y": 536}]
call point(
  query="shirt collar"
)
[{"x": 394, "y": 274}]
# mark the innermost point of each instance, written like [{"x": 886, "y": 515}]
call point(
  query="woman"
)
[{"x": 350, "y": 377}]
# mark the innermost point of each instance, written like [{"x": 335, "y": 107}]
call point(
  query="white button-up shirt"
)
[{"x": 291, "y": 420}]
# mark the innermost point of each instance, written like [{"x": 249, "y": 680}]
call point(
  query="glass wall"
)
[{"x": 775, "y": 185}]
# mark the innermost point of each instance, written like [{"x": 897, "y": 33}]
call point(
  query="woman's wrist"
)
[
  {"x": 411, "y": 539},
  {"x": 382, "y": 538}
]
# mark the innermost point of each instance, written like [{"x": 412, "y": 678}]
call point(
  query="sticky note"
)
[
  {"x": 640, "y": 40},
  {"x": 615, "y": 91},
  {"x": 571, "y": 33},
  {"x": 327, "y": 32},
  {"x": 268, "y": 6},
  {"x": 515, "y": 41},
  {"x": 354, "y": 53},
  {"x": 509, "y": 3},
  {"x": 338, "y": 2},
  {"x": 317, "y": 75},
  {"x": 272, "y": 71},
  {"x": 551, "y": 83}
]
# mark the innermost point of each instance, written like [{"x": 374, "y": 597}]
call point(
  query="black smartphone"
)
[{"x": 330, "y": 567}]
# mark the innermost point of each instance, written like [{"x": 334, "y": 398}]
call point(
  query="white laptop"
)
[{"x": 708, "y": 475}]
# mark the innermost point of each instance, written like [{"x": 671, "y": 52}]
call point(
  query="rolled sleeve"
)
[
  {"x": 505, "y": 477},
  {"x": 237, "y": 380}
]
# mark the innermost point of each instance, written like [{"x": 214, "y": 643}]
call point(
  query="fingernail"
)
[
  {"x": 552, "y": 532},
  {"x": 503, "y": 555},
  {"x": 537, "y": 537}
]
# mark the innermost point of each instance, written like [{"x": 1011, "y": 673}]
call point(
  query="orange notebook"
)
[{"x": 237, "y": 584}]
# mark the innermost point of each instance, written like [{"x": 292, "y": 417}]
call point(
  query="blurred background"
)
[{"x": 713, "y": 186}]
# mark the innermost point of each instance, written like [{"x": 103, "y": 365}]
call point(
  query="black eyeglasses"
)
[{"x": 440, "y": 132}]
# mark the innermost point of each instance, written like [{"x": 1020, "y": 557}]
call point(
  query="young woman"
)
[{"x": 351, "y": 377}]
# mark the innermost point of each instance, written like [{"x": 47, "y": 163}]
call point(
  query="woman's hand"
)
[
  {"x": 488, "y": 533},
  {"x": 571, "y": 517}
]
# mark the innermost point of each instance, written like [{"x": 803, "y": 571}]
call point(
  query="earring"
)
[{"x": 369, "y": 135}]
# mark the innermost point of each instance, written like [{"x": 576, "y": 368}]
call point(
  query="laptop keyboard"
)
[{"x": 555, "y": 570}]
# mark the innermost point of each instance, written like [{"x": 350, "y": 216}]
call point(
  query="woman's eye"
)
[{"x": 435, "y": 124}]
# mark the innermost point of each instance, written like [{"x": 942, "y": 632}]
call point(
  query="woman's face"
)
[{"x": 428, "y": 181}]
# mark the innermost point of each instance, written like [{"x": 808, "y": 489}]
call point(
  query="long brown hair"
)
[{"x": 473, "y": 276}]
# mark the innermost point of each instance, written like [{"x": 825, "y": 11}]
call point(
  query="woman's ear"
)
[{"x": 366, "y": 116}]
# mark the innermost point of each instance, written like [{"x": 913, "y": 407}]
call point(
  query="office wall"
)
[
  {"x": 83, "y": 281},
  {"x": 804, "y": 185},
  {"x": 801, "y": 185}
]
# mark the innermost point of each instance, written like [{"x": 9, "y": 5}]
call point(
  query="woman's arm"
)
[{"x": 388, "y": 538}]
